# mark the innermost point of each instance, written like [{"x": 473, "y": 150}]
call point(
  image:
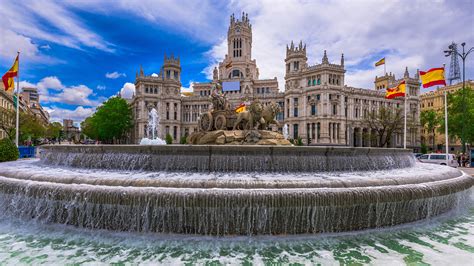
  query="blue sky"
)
[{"x": 79, "y": 53}]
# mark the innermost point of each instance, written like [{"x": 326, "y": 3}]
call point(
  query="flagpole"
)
[
  {"x": 385, "y": 66},
  {"x": 446, "y": 121},
  {"x": 446, "y": 124},
  {"x": 17, "y": 102},
  {"x": 405, "y": 122}
]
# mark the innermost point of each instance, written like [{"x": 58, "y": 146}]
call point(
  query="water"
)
[
  {"x": 153, "y": 130},
  {"x": 443, "y": 241}
]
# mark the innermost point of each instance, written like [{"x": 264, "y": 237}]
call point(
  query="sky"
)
[{"x": 79, "y": 53}]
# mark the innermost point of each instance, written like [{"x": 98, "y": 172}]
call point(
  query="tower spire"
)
[
  {"x": 406, "y": 75},
  {"x": 342, "y": 59},
  {"x": 325, "y": 58}
]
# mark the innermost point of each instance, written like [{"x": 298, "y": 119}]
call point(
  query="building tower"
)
[
  {"x": 295, "y": 62},
  {"x": 171, "y": 68},
  {"x": 454, "y": 70}
]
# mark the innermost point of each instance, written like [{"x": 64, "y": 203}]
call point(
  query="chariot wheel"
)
[
  {"x": 205, "y": 121},
  {"x": 220, "y": 123}
]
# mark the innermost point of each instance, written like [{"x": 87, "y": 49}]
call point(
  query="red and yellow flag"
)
[
  {"x": 398, "y": 91},
  {"x": 241, "y": 108},
  {"x": 434, "y": 76},
  {"x": 7, "y": 79},
  {"x": 380, "y": 62}
]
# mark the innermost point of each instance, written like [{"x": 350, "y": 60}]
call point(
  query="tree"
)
[
  {"x": 7, "y": 122},
  {"x": 460, "y": 114},
  {"x": 89, "y": 129},
  {"x": 385, "y": 122},
  {"x": 168, "y": 139},
  {"x": 429, "y": 120},
  {"x": 30, "y": 128},
  {"x": 110, "y": 122},
  {"x": 53, "y": 130}
]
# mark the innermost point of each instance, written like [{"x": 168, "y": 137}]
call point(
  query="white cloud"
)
[
  {"x": 101, "y": 87},
  {"x": 68, "y": 30},
  {"x": 195, "y": 18},
  {"x": 412, "y": 35},
  {"x": 51, "y": 90},
  {"x": 45, "y": 47},
  {"x": 128, "y": 90},
  {"x": 57, "y": 114},
  {"x": 188, "y": 89},
  {"x": 114, "y": 75}
]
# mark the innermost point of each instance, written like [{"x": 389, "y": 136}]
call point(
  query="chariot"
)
[{"x": 217, "y": 120}]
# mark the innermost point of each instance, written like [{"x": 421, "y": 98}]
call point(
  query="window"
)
[
  {"x": 176, "y": 75},
  {"x": 175, "y": 111},
  {"x": 438, "y": 157},
  {"x": 295, "y": 131},
  {"x": 313, "y": 109},
  {"x": 146, "y": 89},
  {"x": 168, "y": 73},
  {"x": 295, "y": 109},
  {"x": 318, "y": 97},
  {"x": 167, "y": 111},
  {"x": 309, "y": 82},
  {"x": 236, "y": 73},
  {"x": 175, "y": 132},
  {"x": 296, "y": 65},
  {"x": 334, "y": 109}
]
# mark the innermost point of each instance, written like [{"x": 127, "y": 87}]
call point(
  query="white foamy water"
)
[{"x": 446, "y": 240}]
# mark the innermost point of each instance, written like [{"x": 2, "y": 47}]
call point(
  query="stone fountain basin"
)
[{"x": 230, "y": 204}]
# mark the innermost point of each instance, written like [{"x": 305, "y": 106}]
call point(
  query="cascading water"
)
[
  {"x": 152, "y": 130},
  {"x": 229, "y": 190},
  {"x": 285, "y": 131}
]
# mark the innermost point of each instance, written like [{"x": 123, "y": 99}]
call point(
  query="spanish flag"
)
[
  {"x": 434, "y": 76},
  {"x": 398, "y": 91},
  {"x": 241, "y": 108},
  {"x": 380, "y": 62},
  {"x": 7, "y": 79}
]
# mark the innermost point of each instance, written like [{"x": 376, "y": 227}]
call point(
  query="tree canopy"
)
[
  {"x": 110, "y": 122},
  {"x": 460, "y": 114},
  {"x": 385, "y": 122}
]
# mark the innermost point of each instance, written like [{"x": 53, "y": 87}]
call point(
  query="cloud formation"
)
[
  {"x": 413, "y": 35},
  {"x": 80, "y": 113},
  {"x": 52, "y": 90},
  {"x": 128, "y": 90},
  {"x": 114, "y": 75}
]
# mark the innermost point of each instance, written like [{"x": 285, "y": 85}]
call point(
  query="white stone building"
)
[{"x": 316, "y": 103}]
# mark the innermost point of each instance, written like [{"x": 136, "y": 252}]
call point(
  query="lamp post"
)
[{"x": 463, "y": 57}]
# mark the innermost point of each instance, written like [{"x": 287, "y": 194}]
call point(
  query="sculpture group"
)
[
  {"x": 223, "y": 117},
  {"x": 251, "y": 126}
]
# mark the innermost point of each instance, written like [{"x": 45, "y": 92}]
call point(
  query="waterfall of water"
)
[
  {"x": 285, "y": 131},
  {"x": 152, "y": 130}
]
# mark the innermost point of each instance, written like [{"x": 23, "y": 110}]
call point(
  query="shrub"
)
[
  {"x": 424, "y": 149},
  {"x": 8, "y": 150},
  {"x": 183, "y": 140},
  {"x": 168, "y": 139},
  {"x": 299, "y": 142}
]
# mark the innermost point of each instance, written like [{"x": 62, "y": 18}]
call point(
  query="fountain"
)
[
  {"x": 229, "y": 189},
  {"x": 152, "y": 130}
]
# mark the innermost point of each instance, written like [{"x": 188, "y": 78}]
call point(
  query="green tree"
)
[
  {"x": 89, "y": 129},
  {"x": 8, "y": 150},
  {"x": 31, "y": 128},
  {"x": 168, "y": 139},
  {"x": 7, "y": 122},
  {"x": 110, "y": 122},
  {"x": 460, "y": 114},
  {"x": 53, "y": 130},
  {"x": 429, "y": 120}
]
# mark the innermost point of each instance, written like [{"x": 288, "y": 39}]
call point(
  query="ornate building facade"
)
[
  {"x": 315, "y": 103},
  {"x": 434, "y": 100}
]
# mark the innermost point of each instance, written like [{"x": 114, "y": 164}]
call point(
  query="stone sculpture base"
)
[{"x": 237, "y": 137}]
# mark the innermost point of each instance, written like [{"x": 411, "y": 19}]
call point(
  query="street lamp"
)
[{"x": 463, "y": 57}]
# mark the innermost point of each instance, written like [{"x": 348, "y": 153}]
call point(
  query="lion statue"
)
[
  {"x": 268, "y": 115},
  {"x": 250, "y": 119}
]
